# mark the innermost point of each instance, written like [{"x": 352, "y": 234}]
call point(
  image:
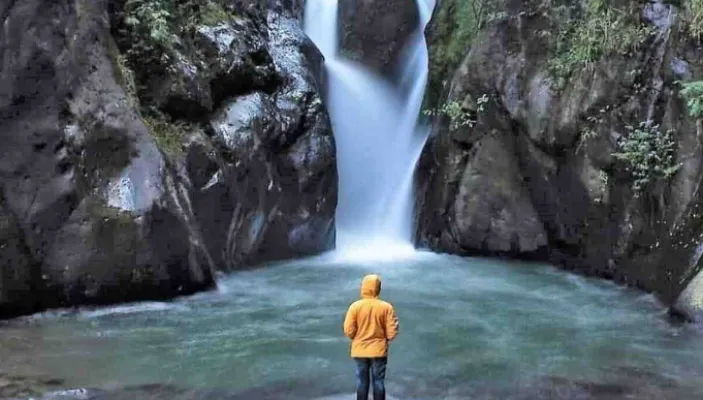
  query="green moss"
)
[
  {"x": 213, "y": 14},
  {"x": 168, "y": 134},
  {"x": 456, "y": 25},
  {"x": 124, "y": 75}
]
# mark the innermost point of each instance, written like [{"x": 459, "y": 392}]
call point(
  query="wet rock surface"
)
[
  {"x": 116, "y": 182},
  {"x": 26, "y": 386},
  {"x": 535, "y": 176},
  {"x": 375, "y": 33}
]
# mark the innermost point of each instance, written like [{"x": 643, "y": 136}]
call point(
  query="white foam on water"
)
[{"x": 146, "y": 307}]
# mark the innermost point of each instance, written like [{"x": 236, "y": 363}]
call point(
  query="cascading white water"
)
[{"x": 378, "y": 138}]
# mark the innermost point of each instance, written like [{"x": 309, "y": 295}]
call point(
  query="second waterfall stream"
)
[{"x": 378, "y": 136}]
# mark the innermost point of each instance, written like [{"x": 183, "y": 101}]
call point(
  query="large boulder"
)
[
  {"x": 264, "y": 181},
  {"x": 94, "y": 203},
  {"x": 117, "y": 180},
  {"x": 518, "y": 124},
  {"x": 248, "y": 131},
  {"x": 375, "y": 32}
]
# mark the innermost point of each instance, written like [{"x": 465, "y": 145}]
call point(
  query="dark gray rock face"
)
[
  {"x": 103, "y": 201},
  {"x": 264, "y": 181},
  {"x": 375, "y": 32},
  {"x": 97, "y": 213},
  {"x": 19, "y": 273},
  {"x": 536, "y": 176}
]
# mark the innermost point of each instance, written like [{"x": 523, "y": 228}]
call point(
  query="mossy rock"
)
[{"x": 169, "y": 135}]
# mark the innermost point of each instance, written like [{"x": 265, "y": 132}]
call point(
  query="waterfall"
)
[{"x": 378, "y": 138}]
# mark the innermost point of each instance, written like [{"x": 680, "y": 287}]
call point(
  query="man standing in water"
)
[{"x": 371, "y": 324}]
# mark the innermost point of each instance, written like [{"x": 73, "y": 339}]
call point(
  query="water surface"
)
[{"x": 469, "y": 328}]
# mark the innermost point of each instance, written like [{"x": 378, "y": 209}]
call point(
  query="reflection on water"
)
[{"x": 469, "y": 328}]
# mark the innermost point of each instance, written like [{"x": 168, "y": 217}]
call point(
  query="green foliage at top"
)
[
  {"x": 212, "y": 14},
  {"x": 649, "y": 154},
  {"x": 149, "y": 23},
  {"x": 152, "y": 29},
  {"x": 456, "y": 25},
  {"x": 592, "y": 31},
  {"x": 692, "y": 92}
]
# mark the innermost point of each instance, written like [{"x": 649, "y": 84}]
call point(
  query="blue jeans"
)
[{"x": 377, "y": 368}]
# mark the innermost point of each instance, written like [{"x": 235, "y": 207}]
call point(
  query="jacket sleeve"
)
[
  {"x": 392, "y": 324},
  {"x": 350, "y": 322}
]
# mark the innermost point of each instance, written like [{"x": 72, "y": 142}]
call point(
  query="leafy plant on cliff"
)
[
  {"x": 601, "y": 30},
  {"x": 149, "y": 24},
  {"x": 459, "y": 115},
  {"x": 589, "y": 131},
  {"x": 649, "y": 154},
  {"x": 692, "y": 92},
  {"x": 152, "y": 30}
]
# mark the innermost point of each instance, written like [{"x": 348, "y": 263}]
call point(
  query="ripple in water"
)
[{"x": 470, "y": 328}]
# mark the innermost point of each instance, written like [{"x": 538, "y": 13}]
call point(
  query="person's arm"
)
[
  {"x": 392, "y": 324},
  {"x": 350, "y": 322}
]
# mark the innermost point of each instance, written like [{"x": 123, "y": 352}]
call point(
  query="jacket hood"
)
[{"x": 370, "y": 286}]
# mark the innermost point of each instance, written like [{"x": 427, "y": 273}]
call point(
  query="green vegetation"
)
[
  {"x": 586, "y": 135},
  {"x": 126, "y": 79},
  {"x": 151, "y": 30},
  {"x": 602, "y": 29},
  {"x": 604, "y": 180},
  {"x": 169, "y": 134},
  {"x": 649, "y": 154},
  {"x": 457, "y": 23},
  {"x": 589, "y": 132},
  {"x": 458, "y": 114},
  {"x": 151, "y": 34},
  {"x": 694, "y": 18},
  {"x": 692, "y": 92},
  {"x": 149, "y": 25},
  {"x": 212, "y": 14},
  {"x": 124, "y": 75}
]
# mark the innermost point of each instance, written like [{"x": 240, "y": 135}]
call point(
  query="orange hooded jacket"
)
[{"x": 370, "y": 322}]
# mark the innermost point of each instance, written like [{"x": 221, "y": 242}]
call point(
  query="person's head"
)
[{"x": 371, "y": 286}]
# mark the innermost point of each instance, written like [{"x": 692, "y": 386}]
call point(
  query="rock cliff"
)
[
  {"x": 563, "y": 132},
  {"x": 146, "y": 145}
]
